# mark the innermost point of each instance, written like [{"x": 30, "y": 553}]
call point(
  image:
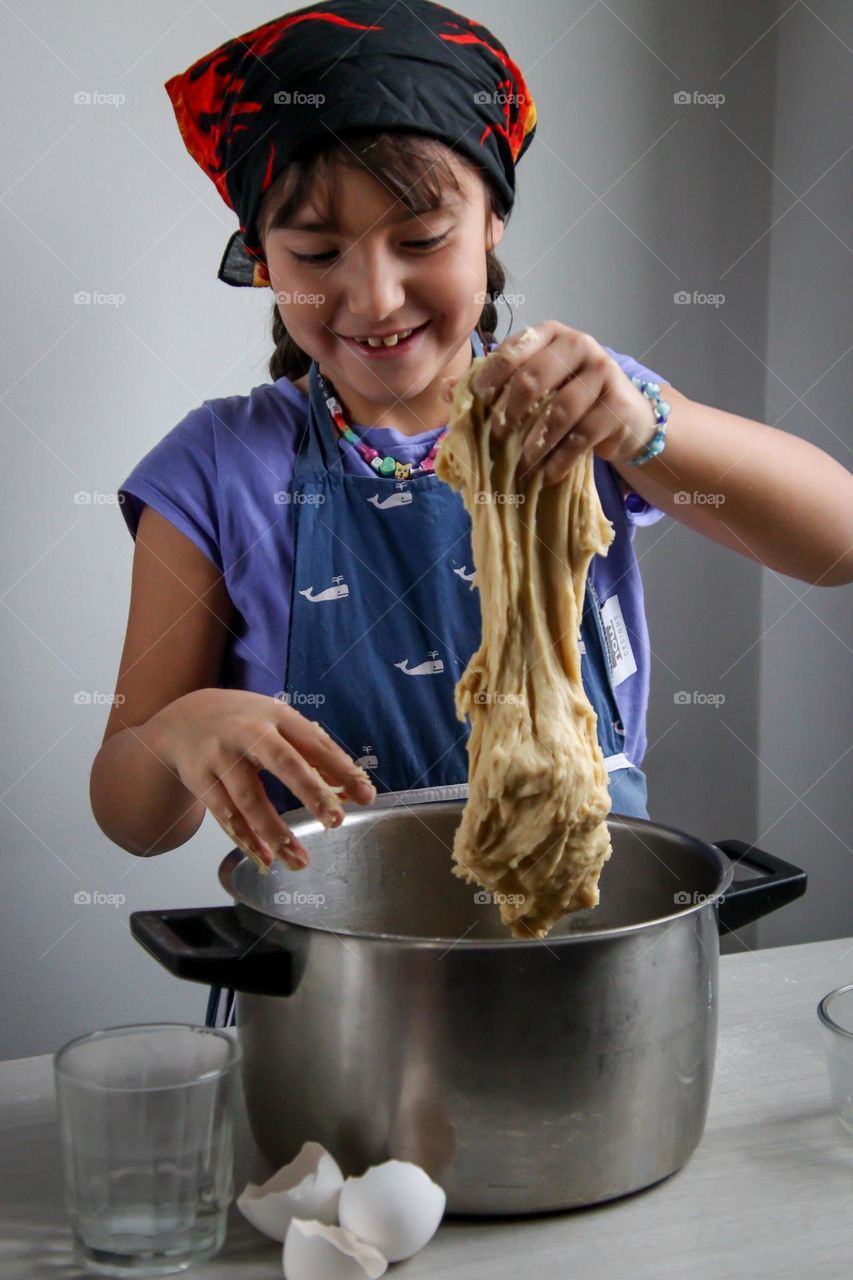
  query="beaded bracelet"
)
[{"x": 657, "y": 444}]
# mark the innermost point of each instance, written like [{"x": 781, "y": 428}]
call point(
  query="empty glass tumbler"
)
[{"x": 146, "y": 1123}]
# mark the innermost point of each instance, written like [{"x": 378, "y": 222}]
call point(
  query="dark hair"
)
[{"x": 415, "y": 168}]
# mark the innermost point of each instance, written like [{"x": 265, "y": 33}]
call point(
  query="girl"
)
[{"x": 307, "y": 574}]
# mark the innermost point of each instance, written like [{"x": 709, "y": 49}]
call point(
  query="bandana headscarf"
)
[{"x": 277, "y": 93}]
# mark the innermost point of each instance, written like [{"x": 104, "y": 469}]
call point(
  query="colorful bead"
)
[
  {"x": 657, "y": 444},
  {"x": 382, "y": 466}
]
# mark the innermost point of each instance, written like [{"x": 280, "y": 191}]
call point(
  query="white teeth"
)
[{"x": 386, "y": 342}]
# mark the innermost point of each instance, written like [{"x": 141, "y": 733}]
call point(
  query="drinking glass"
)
[{"x": 146, "y": 1123}]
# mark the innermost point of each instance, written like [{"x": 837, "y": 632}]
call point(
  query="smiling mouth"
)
[{"x": 397, "y": 339}]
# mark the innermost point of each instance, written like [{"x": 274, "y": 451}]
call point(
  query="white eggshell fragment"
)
[
  {"x": 313, "y": 1251},
  {"x": 395, "y": 1206},
  {"x": 308, "y": 1187}
]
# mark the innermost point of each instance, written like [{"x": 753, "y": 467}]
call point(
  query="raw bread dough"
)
[{"x": 534, "y": 830}]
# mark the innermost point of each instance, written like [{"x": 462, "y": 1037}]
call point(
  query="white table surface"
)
[{"x": 767, "y": 1194}]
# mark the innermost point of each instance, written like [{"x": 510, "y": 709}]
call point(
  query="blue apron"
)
[{"x": 384, "y": 620}]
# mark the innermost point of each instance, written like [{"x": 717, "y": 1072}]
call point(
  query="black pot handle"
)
[
  {"x": 749, "y": 900},
  {"x": 210, "y": 945}
]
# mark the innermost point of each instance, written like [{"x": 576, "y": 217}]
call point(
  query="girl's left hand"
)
[{"x": 596, "y": 406}]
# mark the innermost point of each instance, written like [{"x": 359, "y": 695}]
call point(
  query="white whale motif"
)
[
  {"x": 422, "y": 669},
  {"x": 331, "y": 593},
  {"x": 468, "y": 577},
  {"x": 368, "y": 762},
  {"x": 393, "y": 500}
]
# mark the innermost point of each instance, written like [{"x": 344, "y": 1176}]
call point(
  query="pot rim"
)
[{"x": 310, "y": 825}]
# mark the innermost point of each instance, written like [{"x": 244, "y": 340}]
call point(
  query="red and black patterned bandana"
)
[{"x": 273, "y": 95}]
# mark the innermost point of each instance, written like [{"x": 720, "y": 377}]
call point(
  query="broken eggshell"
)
[
  {"x": 395, "y": 1206},
  {"x": 308, "y": 1187},
  {"x": 313, "y": 1251}
]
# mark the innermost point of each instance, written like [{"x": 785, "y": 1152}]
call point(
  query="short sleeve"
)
[
  {"x": 637, "y": 509},
  {"x": 178, "y": 478}
]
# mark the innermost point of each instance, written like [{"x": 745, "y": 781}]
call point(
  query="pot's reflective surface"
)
[
  {"x": 387, "y": 873},
  {"x": 524, "y": 1076}
]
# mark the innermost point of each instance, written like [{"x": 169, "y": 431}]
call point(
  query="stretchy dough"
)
[{"x": 534, "y": 831}]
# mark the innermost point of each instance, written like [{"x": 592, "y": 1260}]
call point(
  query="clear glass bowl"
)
[{"x": 835, "y": 1012}]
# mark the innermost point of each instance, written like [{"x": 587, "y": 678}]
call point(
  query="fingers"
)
[
  {"x": 323, "y": 753},
  {"x": 574, "y": 420},
  {"x": 593, "y": 426},
  {"x": 279, "y": 757},
  {"x": 536, "y": 379},
  {"x": 561, "y": 461},
  {"x": 508, "y": 358},
  {"x": 252, "y": 823},
  {"x": 563, "y": 425},
  {"x": 532, "y": 364},
  {"x": 304, "y": 757}
]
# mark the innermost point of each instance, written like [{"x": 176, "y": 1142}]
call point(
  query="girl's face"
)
[{"x": 377, "y": 273}]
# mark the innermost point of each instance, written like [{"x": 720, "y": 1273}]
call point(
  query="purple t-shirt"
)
[{"x": 218, "y": 476}]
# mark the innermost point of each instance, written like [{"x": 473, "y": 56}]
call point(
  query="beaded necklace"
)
[{"x": 386, "y": 466}]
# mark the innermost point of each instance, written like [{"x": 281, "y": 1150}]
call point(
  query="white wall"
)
[
  {"x": 805, "y": 775},
  {"x": 105, "y": 198}
]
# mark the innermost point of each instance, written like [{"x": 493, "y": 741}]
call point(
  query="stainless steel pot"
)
[{"x": 384, "y": 1011}]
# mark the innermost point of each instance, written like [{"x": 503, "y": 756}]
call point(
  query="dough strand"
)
[{"x": 534, "y": 830}]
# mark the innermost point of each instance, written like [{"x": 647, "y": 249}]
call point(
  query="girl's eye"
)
[
  {"x": 428, "y": 244},
  {"x": 317, "y": 258}
]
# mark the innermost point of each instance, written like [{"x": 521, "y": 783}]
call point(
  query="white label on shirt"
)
[{"x": 619, "y": 652}]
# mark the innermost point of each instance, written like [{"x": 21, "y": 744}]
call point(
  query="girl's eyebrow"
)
[{"x": 403, "y": 215}]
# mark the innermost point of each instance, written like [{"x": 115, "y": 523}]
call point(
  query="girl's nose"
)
[{"x": 376, "y": 290}]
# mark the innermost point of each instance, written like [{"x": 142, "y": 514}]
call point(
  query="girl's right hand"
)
[{"x": 216, "y": 741}]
